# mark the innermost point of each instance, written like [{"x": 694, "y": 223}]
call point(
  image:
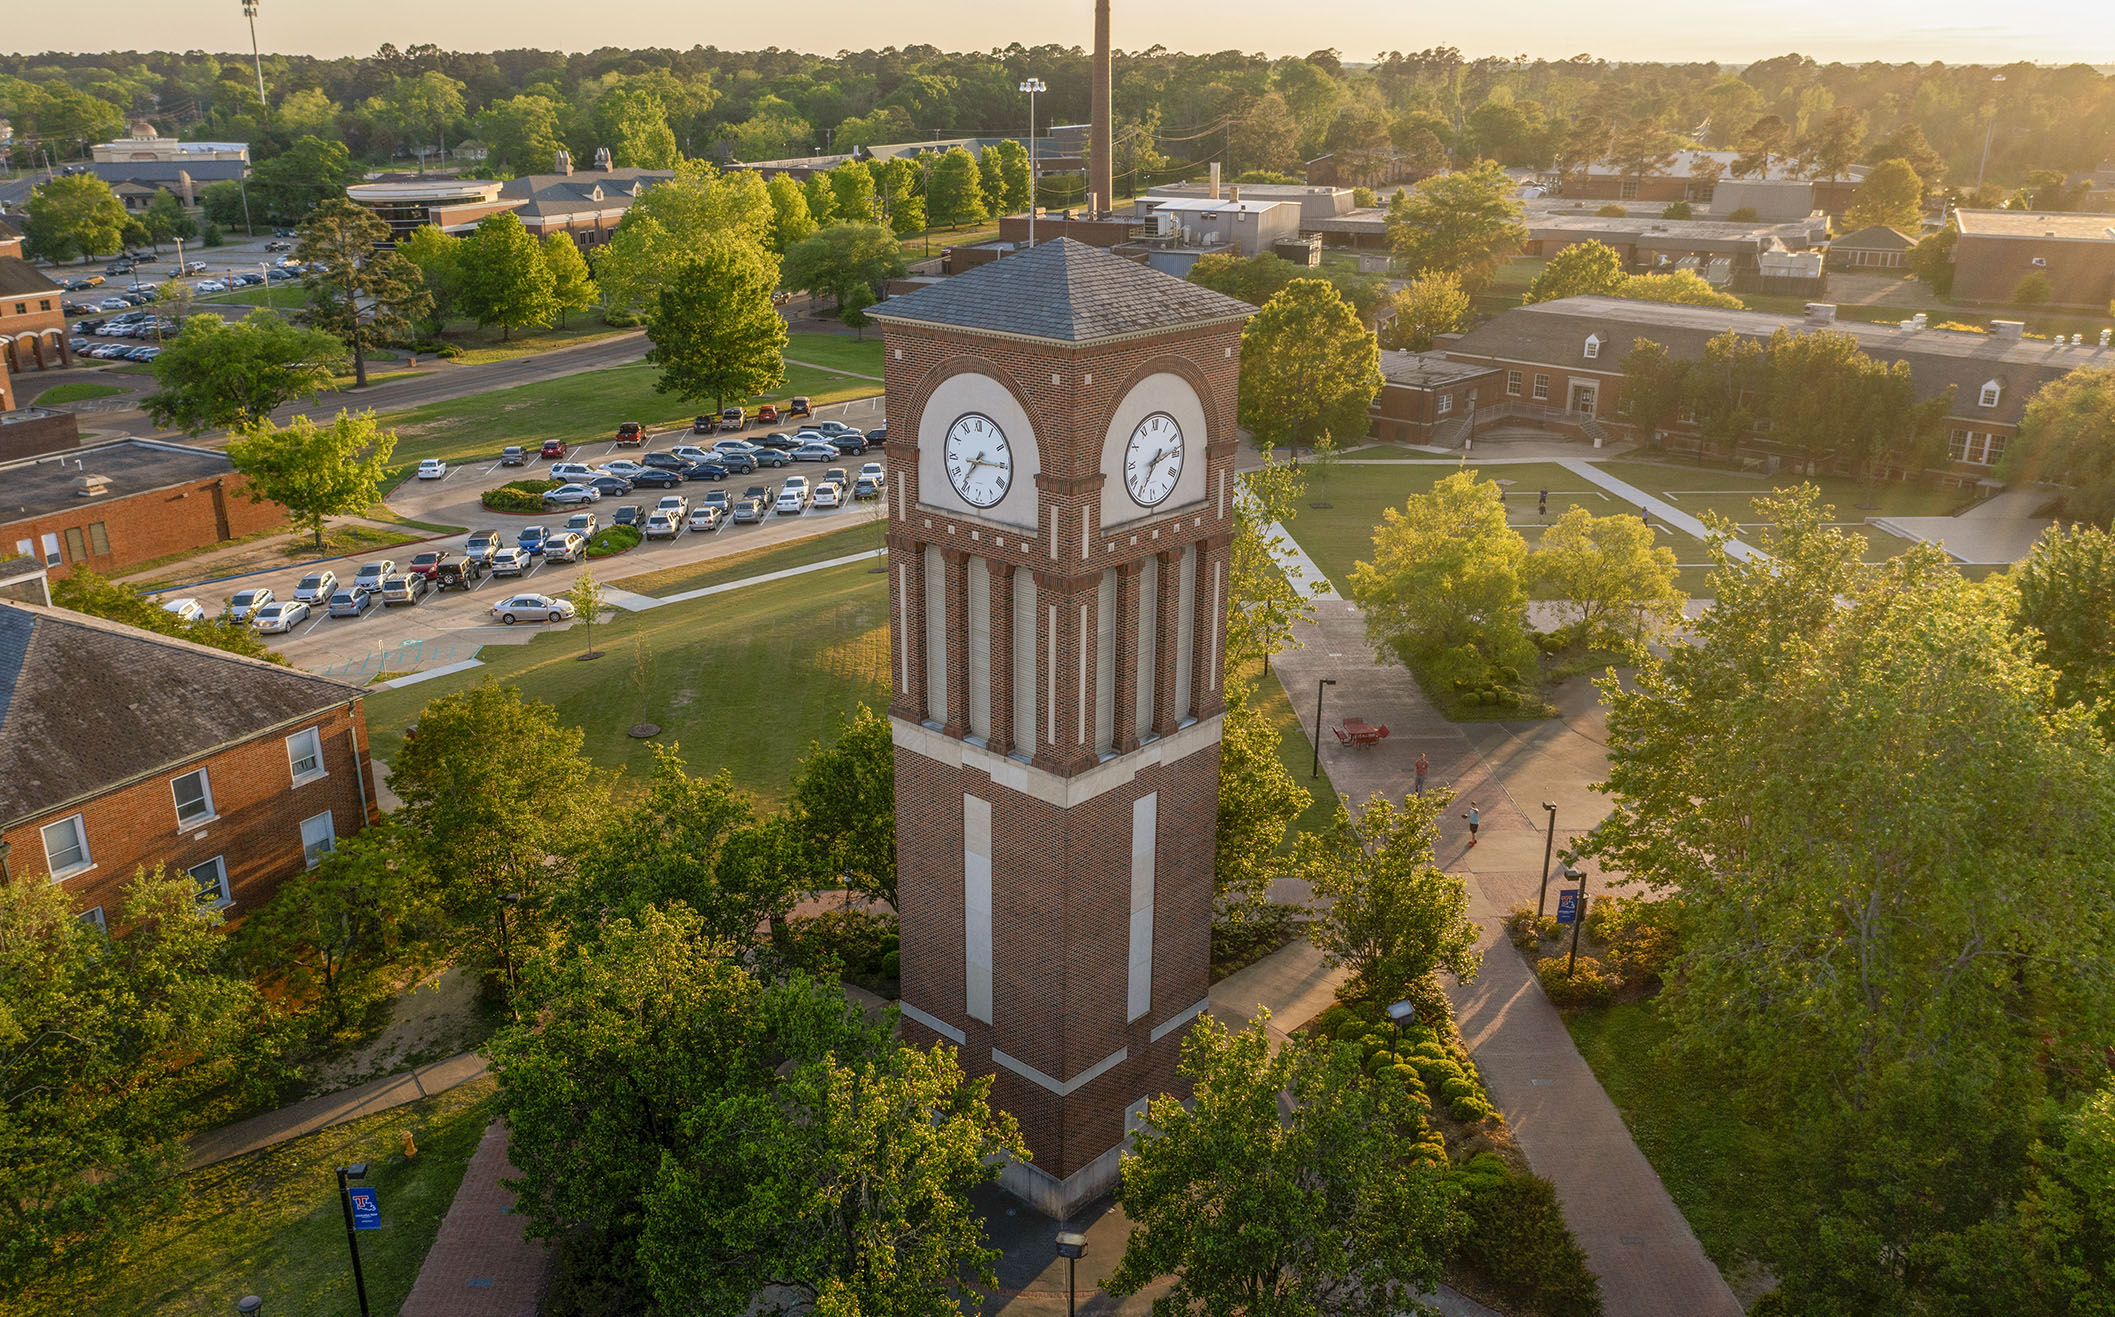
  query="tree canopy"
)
[
  {"x": 1464, "y": 222},
  {"x": 841, "y": 256},
  {"x": 1309, "y": 367},
  {"x": 714, "y": 332},
  {"x": 2067, "y": 438},
  {"x": 506, "y": 280},
  {"x": 314, "y": 471},
  {"x": 360, "y": 295},
  {"x": 69, "y": 217},
  {"x": 218, "y": 373}
]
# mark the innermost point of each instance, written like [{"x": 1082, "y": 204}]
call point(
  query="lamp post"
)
[
  {"x": 1397, "y": 1013},
  {"x": 356, "y": 1171},
  {"x": 249, "y": 1305},
  {"x": 1315, "y": 770},
  {"x": 249, "y": 11},
  {"x": 1988, "y": 129},
  {"x": 506, "y": 953},
  {"x": 1578, "y": 913},
  {"x": 264, "y": 271},
  {"x": 1032, "y": 86},
  {"x": 1549, "y": 845},
  {"x": 1071, "y": 1247}
]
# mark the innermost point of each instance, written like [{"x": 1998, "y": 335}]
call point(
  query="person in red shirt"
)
[{"x": 1423, "y": 767}]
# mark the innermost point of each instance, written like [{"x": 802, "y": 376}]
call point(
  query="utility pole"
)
[{"x": 249, "y": 11}]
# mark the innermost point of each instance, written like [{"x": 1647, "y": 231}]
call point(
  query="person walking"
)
[
  {"x": 1422, "y": 767},
  {"x": 1475, "y": 818}
]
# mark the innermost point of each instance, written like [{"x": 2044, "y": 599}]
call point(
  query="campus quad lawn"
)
[
  {"x": 743, "y": 681},
  {"x": 840, "y": 352},
  {"x": 268, "y": 1223}
]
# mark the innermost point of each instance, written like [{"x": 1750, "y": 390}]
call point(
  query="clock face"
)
[
  {"x": 979, "y": 461},
  {"x": 1153, "y": 460}
]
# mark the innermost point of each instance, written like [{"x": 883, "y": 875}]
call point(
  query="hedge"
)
[
  {"x": 1518, "y": 1244},
  {"x": 518, "y": 495},
  {"x": 612, "y": 540}
]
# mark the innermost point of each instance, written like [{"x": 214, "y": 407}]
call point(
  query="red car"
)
[
  {"x": 427, "y": 564},
  {"x": 767, "y": 415},
  {"x": 798, "y": 407},
  {"x": 554, "y": 448},
  {"x": 631, "y": 434}
]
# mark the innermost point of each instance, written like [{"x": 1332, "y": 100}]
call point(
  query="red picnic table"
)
[{"x": 1360, "y": 734}]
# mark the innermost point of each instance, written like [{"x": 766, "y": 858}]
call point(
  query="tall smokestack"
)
[{"x": 1102, "y": 138}]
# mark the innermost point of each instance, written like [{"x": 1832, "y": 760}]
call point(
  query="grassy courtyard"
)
[{"x": 78, "y": 391}]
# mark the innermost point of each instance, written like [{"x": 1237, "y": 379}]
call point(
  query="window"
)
[
  {"x": 66, "y": 848},
  {"x": 1446, "y": 403},
  {"x": 76, "y": 546},
  {"x": 194, "y": 799},
  {"x": 44, "y": 304},
  {"x": 1512, "y": 383},
  {"x": 1593, "y": 346},
  {"x": 212, "y": 880},
  {"x": 317, "y": 838},
  {"x": 1991, "y": 390},
  {"x": 1628, "y": 190},
  {"x": 21, "y": 308},
  {"x": 304, "y": 754},
  {"x": 98, "y": 539},
  {"x": 1993, "y": 449},
  {"x": 1542, "y": 388},
  {"x": 1957, "y": 446},
  {"x": 93, "y": 916}
]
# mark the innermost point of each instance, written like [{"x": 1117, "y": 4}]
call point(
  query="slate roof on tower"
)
[{"x": 1065, "y": 291}]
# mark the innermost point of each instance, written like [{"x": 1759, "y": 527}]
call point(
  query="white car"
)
[
  {"x": 432, "y": 469},
  {"x": 371, "y": 574},
  {"x": 509, "y": 561},
  {"x": 574, "y": 493},
  {"x": 675, "y": 503},
  {"x": 247, "y": 602},
  {"x": 575, "y": 471},
  {"x": 734, "y": 446},
  {"x": 316, "y": 589},
  {"x": 872, "y": 471},
  {"x": 190, "y": 610},
  {"x": 624, "y": 467},
  {"x": 273, "y": 619},
  {"x": 829, "y": 494},
  {"x": 691, "y": 453},
  {"x": 706, "y": 518},
  {"x": 662, "y": 525},
  {"x": 532, "y": 608},
  {"x": 792, "y": 501},
  {"x": 211, "y": 286},
  {"x": 564, "y": 546}
]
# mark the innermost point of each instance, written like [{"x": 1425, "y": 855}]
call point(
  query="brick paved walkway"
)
[{"x": 479, "y": 1265}]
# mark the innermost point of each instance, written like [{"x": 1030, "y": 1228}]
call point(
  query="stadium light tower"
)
[{"x": 249, "y": 11}]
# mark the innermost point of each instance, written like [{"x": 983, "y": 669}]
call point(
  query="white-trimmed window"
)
[
  {"x": 1446, "y": 403},
  {"x": 1512, "y": 383},
  {"x": 212, "y": 880},
  {"x": 1542, "y": 388},
  {"x": 1993, "y": 449},
  {"x": 304, "y": 755},
  {"x": 93, "y": 916},
  {"x": 1593, "y": 346},
  {"x": 1992, "y": 390},
  {"x": 1957, "y": 446},
  {"x": 318, "y": 838},
  {"x": 194, "y": 799},
  {"x": 66, "y": 848}
]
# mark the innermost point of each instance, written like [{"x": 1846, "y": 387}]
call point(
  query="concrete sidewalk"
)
[{"x": 317, "y": 1113}]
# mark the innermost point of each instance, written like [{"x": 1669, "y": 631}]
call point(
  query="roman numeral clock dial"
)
[
  {"x": 979, "y": 460},
  {"x": 1153, "y": 460}
]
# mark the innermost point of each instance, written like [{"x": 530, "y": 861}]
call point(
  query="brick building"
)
[
  {"x": 1429, "y": 397},
  {"x": 32, "y": 312},
  {"x": 111, "y": 506},
  {"x": 1875, "y": 247},
  {"x": 1999, "y": 248},
  {"x": 122, "y": 749},
  {"x": 1060, "y": 529},
  {"x": 585, "y": 204}
]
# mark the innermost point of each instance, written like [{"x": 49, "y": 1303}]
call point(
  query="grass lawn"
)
[
  {"x": 477, "y": 344},
  {"x": 838, "y": 352},
  {"x": 755, "y": 562},
  {"x": 78, "y": 391},
  {"x": 285, "y": 296},
  {"x": 269, "y": 1223},
  {"x": 1298, "y": 754},
  {"x": 744, "y": 681},
  {"x": 1682, "y": 1123}
]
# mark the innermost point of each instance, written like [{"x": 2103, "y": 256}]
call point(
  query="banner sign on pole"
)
[
  {"x": 1567, "y": 905},
  {"x": 367, "y": 1207}
]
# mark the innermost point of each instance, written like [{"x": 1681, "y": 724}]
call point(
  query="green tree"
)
[
  {"x": 2066, "y": 608},
  {"x": 1762, "y": 141},
  {"x": 112, "y": 1048},
  {"x": 307, "y": 113},
  {"x": 506, "y": 281},
  {"x": 72, "y": 216},
  {"x": 790, "y": 219},
  {"x": 1655, "y": 385},
  {"x": 572, "y": 289},
  {"x": 633, "y": 124},
  {"x": 954, "y": 194},
  {"x": 220, "y": 373},
  {"x": 1394, "y": 916},
  {"x": 713, "y": 330},
  {"x": 1464, "y": 222},
  {"x": 1907, "y": 144},
  {"x": 2064, "y": 440},
  {"x": 1583, "y": 269},
  {"x": 671, "y": 221},
  {"x": 855, "y": 312},
  {"x": 1257, "y": 279},
  {"x": 1011, "y": 161},
  {"x": 85, "y": 592},
  {"x": 841, "y": 257},
  {"x": 330, "y": 937},
  {"x": 313, "y": 471},
  {"x": 842, "y": 806},
  {"x": 522, "y": 133},
  {"x": 1885, "y": 984},
  {"x": 222, "y": 203},
  {"x": 1686, "y": 287},
  {"x": 1932, "y": 259},
  {"x": 357, "y": 294},
  {"x": 2033, "y": 289},
  {"x": 1611, "y": 580},
  {"x": 1314, "y": 1213},
  {"x": 588, "y": 599},
  {"x": 309, "y": 174},
  {"x": 418, "y": 109},
  {"x": 1890, "y": 195},
  {"x": 1642, "y": 146},
  {"x": 1427, "y": 305},
  {"x": 1833, "y": 143},
  {"x": 1444, "y": 591},
  {"x": 1309, "y": 367},
  {"x": 166, "y": 220},
  {"x": 438, "y": 257},
  {"x": 1733, "y": 373},
  {"x": 822, "y": 198},
  {"x": 852, "y": 193}
]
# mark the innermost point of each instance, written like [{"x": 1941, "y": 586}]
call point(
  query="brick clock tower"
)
[{"x": 1062, "y": 468}]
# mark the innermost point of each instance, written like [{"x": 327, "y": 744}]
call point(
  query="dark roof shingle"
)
[
  {"x": 1066, "y": 291},
  {"x": 18, "y": 277},
  {"x": 86, "y": 704}
]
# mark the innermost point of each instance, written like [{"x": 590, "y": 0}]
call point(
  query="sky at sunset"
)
[{"x": 1956, "y": 31}]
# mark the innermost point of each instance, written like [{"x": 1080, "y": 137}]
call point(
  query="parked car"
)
[
  {"x": 706, "y": 519},
  {"x": 459, "y": 574},
  {"x": 510, "y": 562},
  {"x": 432, "y": 468},
  {"x": 532, "y": 608},
  {"x": 832, "y": 427},
  {"x": 565, "y": 546},
  {"x": 748, "y": 511},
  {"x": 738, "y": 463},
  {"x": 482, "y": 544},
  {"x": 631, "y": 433},
  {"x": 829, "y": 494},
  {"x": 866, "y": 487},
  {"x": 691, "y": 454},
  {"x": 666, "y": 461},
  {"x": 631, "y": 514},
  {"x": 247, "y": 602},
  {"x": 772, "y": 457},
  {"x": 574, "y": 471},
  {"x": 762, "y": 493},
  {"x": 404, "y": 588},
  {"x": 767, "y": 415},
  {"x": 847, "y": 441},
  {"x": 279, "y": 245},
  {"x": 427, "y": 563},
  {"x": 625, "y": 467},
  {"x": 733, "y": 418},
  {"x": 705, "y": 471},
  {"x": 876, "y": 470},
  {"x": 211, "y": 286},
  {"x": 530, "y": 539},
  {"x": 611, "y": 485},
  {"x": 706, "y": 424},
  {"x": 677, "y": 503},
  {"x": 352, "y": 601},
  {"x": 816, "y": 452},
  {"x": 566, "y": 495},
  {"x": 279, "y": 618},
  {"x": 513, "y": 455},
  {"x": 552, "y": 448},
  {"x": 793, "y": 496},
  {"x": 656, "y": 478},
  {"x": 799, "y": 407},
  {"x": 317, "y": 587},
  {"x": 837, "y": 475},
  {"x": 662, "y": 525},
  {"x": 582, "y": 523},
  {"x": 371, "y": 573},
  {"x": 778, "y": 439},
  {"x": 194, "y": 267}
]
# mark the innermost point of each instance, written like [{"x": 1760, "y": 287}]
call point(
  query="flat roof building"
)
[
  {"x": 111, "y": 506},
  {"x": 1998, "y": 249}
]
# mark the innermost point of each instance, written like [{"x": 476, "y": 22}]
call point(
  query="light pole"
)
[
  {"x": 356, "y": 1171},
  {"x": 1032, "y": 86},
  {"x": 1397, "y": 1013},
  {"x": 249, "y": 226},
  {"x": 1988, "y": 129},
  {"x": 1315, "y": 770},
  {"x": 249, "y": 11},
  {"x": 249, "y": 1305},
  {"x": 1071, "y": 1247},
  {"x": 1578, "y": 913},
  {"x": 264, "y": 270},
  {"x": 1549, "y": 844}
]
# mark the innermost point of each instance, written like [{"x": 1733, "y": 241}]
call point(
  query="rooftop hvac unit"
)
[{"x": 91, "y": 486}]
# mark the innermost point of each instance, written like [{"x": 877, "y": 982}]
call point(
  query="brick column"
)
[
  {"x": 906, "y": 563},
  {"x": 1127, "y": 590},
  {"x": 1000, "y": 741},
  {"x": 1208, "y": 646},
  {"x": 1166, "y": 622},
  {"x": 955, "y": 571},
  {"x": 1065, "y": 734}
]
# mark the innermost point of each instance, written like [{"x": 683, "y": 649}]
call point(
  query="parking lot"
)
[{"x": 446, "y": 627}]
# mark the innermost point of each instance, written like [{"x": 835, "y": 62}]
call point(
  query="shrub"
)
[
  {"x": 892, "y": 964},
  {"x": 1612, "y": 211},
  {"x": 1469, "y": 1110},
  {"x": 1588, "y": 985},
  {"x": 2034, "y": 290},
  {"x": 1642, "y": 937},
  {"x": 1518, "y": 1244},
  {"x": 1743, "y": 215},
  {"x": 518, "y": 496},
  {"x": 1332, "y": 1021},
  {"x": 211, "y": 237},
  {"x": 613, "y": 540},
  {"x": 851, "y": 943},
  {"x": 1453, "y": 1090},
  {"x": 1679, "y": 210},
  {"x": 1407, "y": 1076}
]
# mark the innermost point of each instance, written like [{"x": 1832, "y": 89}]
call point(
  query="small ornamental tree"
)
[
  {"x": 1394, "y": 915},
  {"x": 586, "y": 597},
  {"x": 315, "y": 472}
]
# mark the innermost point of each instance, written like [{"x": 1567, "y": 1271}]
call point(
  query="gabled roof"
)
[
  {"x": 19, "y": 277},
  {"x": 86, "y": 704},
  {"x": 1876, "y": 237},
  {"x": 1065, "y": 291}
]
